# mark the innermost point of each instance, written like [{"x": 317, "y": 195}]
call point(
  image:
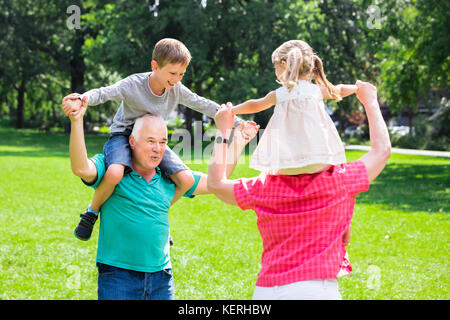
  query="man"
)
[
  {"x": 133, "y": 247},
  {"x": 302, "y": 219}
]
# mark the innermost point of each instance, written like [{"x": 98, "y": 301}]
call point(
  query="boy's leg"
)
[
  {"x": 172, "y": 167},
  {"x": 118, "y": 159},
  {"x": 112, "y": 177},
  {"x": 184, "y": 180}
]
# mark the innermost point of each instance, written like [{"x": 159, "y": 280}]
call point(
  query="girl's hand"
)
[{"x": 245, "y": 132}]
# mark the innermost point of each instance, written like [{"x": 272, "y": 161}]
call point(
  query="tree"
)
[{"x": 415, "y": 57}]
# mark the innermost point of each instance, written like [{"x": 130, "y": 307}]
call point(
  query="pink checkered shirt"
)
[{"x": 302, "y": 220}]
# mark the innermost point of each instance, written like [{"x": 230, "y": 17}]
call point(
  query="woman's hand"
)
[{"x": 245, "y": 132}]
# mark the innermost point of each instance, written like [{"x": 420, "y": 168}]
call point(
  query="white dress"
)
[{"x": 300, "y": 136}]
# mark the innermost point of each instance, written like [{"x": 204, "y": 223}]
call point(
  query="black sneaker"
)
[{"x": 84, "y": 228}]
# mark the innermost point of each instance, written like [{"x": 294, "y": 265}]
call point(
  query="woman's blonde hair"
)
[{"x": 301, "y": 61}]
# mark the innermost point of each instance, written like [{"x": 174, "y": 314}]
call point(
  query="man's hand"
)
[
  {"x": 71, "y": 103},
  {"x": 79, "y": 114},
  {"x": 73, "y": 107}
]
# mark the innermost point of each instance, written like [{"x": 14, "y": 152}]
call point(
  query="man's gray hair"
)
[{"x": 141, "y": 120}]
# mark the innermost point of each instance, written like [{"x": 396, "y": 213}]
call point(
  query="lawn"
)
[{"x": 399, "y": 245}]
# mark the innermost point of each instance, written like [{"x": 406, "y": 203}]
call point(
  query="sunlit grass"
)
[{"x": 399, "y": 245}]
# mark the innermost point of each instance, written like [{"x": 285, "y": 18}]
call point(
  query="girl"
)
[{"x": 300, "y": 137}]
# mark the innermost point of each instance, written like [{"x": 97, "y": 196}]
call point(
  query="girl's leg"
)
[{"x": 173, "y": 168}]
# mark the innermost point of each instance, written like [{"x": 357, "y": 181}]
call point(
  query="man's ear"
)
[{"x": 132, "y": 142}]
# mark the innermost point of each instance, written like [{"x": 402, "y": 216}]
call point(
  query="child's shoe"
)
[{"x": 84, "y": 228}]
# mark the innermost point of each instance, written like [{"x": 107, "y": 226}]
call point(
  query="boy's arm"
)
[
  {"x": 375, "y": 160},
  {"x": 81, "y": 165},
  {"x": 200, "y": 104},
  {"x": 256, "y": 105},
  {"x": 97, "y": 96},
  {"x": 113, "y": 92}
]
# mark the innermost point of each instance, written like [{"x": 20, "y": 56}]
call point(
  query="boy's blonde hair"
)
[
  {"x": 171, "y": 51},
  {"x": 301, "y": 61}
]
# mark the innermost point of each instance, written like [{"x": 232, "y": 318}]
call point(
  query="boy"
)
[{"x": 157, "y": 92}]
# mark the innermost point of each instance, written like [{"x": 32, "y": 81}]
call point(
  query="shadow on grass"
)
[
  {"x": 411, "y": 187},
  {"x": 28, "y": 143}
]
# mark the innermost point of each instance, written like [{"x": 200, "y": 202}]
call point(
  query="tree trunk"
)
[
  {"x": 410, "y": 119},
  {"x": 20, "y": 105},
  {"x": 77, "y": 70},
  {"x": 77, "y": 66}
]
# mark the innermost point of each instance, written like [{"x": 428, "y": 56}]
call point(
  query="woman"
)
[{"x": 303, "y": 219}]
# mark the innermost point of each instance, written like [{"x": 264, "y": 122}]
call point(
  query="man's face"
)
[
  {"x": 168, "y": 75},
  {"x": 148, "y": 148}
]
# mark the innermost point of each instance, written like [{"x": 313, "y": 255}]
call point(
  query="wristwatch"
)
[{"x": 220, "y": 139}]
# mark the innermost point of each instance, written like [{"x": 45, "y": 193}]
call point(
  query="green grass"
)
[{"x": 399, "y": 245}]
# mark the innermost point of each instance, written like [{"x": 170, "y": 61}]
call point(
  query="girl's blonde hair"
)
[{"x": 301, "y": 61}]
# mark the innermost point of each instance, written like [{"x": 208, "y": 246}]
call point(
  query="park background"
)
[{"x": 48, "y": 49}]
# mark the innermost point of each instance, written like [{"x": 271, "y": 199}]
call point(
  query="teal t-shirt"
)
[{"x": 134, "y": 221}]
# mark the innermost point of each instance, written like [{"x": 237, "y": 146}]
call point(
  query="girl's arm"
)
[
  {"x": 255, "y": 105},
  {"x": 344, "y": 90},
  {"x": 243, "y": 133}
]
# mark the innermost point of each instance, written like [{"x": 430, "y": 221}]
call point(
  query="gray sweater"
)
[{"x": 138, "y": 99}]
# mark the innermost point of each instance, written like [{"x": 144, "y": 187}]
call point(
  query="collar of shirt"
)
[{"x": 154, "y": 179}]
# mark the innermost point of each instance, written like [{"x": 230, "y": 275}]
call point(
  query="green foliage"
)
[
  {"x": 415, "y": 56},
  {"x": 405, "y": 52}
]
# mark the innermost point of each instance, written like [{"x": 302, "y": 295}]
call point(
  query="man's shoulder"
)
[
  {"x": 98, "y": 158},
  {"x": 100, "y": 165}
]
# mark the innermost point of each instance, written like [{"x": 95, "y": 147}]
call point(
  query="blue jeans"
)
[{"x": 123, "y": 284}]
